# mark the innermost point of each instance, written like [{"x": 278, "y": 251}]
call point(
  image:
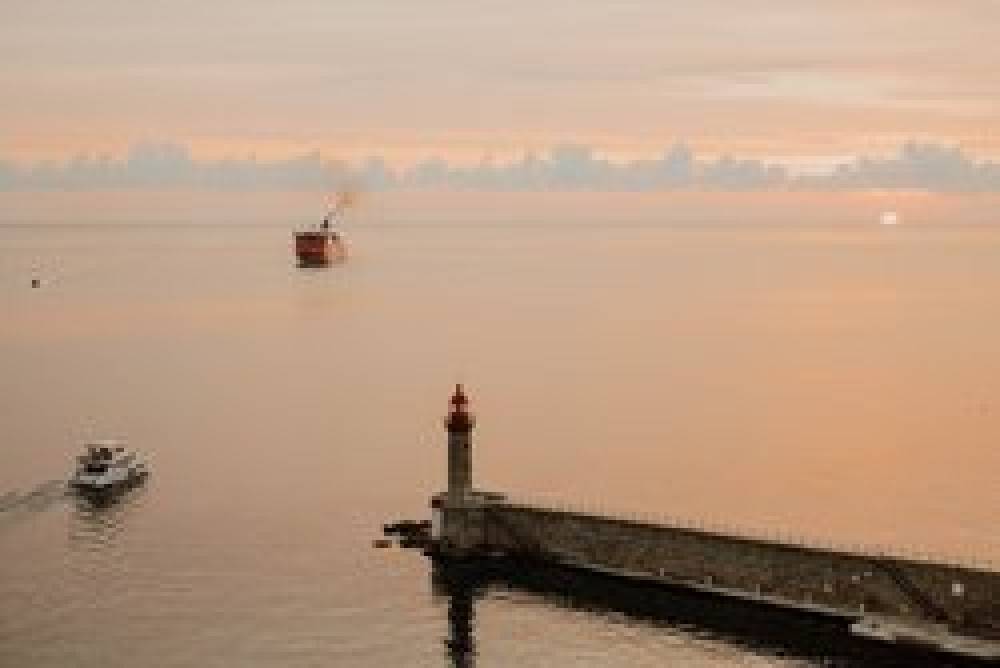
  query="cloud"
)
[
  {"x": 168, "y": 165},
  {"x": 918, "y": 166},
  {"x": 566, "y": 167}
]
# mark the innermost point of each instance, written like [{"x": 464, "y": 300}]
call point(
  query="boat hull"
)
[
  {"x": 109, "y": 488},
  {"x": 316, "y": 249}
]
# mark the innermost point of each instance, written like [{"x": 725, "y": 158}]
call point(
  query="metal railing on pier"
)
[{"x": 758, "y": 534}]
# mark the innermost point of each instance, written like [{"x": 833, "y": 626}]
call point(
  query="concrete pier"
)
[{"x": 947, "y": 607}]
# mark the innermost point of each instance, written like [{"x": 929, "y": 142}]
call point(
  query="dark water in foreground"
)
[{"x": 839, "y": 384}]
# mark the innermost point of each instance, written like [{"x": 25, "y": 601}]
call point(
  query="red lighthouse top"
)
[{"x": 458, "y": 417}]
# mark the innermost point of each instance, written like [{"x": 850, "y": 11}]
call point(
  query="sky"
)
[{"x": 779, "y": 89}]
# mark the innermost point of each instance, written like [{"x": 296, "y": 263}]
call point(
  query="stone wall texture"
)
[{"x": 963, "y": 598}]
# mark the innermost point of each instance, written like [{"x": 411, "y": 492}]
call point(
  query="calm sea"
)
[{"x": 841, "y": 384}]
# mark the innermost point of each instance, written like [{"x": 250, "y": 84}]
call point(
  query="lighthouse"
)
[
  {"x": 459, "y": 424},
  {"x": 458, "y": 525}
]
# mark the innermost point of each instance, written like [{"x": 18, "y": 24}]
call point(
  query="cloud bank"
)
[{"x": 566, "y": 167}]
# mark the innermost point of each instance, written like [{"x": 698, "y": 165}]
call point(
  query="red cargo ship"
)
[{"x": 320, "y": 246}]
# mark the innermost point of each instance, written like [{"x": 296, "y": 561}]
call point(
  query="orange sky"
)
[{"x": 457, "y": 79}]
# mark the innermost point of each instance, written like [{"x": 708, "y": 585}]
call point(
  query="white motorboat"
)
[{"x": 108, "y": 467}]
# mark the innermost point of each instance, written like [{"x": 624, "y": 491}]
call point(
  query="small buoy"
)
[{"x": 35, "y": 283}]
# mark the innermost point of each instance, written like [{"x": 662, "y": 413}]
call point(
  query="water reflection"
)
[
  {"x": 763, "y": 633},
  {"x": 98, "y": 519},
  {"x": 96, "y": 563},
  {"x": 461, "y": 587}
]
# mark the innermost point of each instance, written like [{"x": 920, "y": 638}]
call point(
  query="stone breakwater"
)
[
  {"x": 883, "y": 597},
  {"x": 942, "y": 598}
]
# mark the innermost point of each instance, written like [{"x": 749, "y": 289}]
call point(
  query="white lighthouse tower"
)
[
  {"x": 459, "y": 424},
  {"x": 458, "y": 524}
]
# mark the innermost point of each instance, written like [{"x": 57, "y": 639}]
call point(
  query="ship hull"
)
[{"x": 316, "y": 249}]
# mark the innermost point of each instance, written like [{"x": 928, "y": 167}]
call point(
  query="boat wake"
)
[
  {"x": 40, "y": 497},
  {"x": 16, "y": 505}
]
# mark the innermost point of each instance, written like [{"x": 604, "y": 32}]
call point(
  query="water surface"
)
[{"x": 836, "y": 383}]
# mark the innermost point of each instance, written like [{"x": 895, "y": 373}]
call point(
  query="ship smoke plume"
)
[{"x": 345, "y": 198}]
